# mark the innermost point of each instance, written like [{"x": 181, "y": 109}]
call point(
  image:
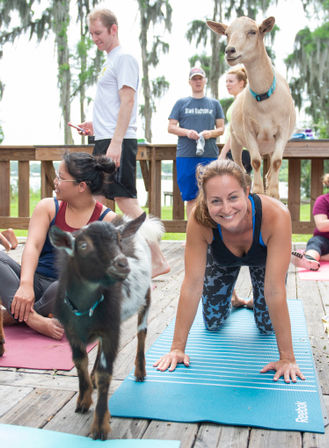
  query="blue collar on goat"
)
[
  {"x": 89, "y": 312},
  {"x": 265, "y": 95}
]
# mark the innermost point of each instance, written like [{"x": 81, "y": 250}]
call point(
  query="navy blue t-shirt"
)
[{"x": 199, "y": 114}]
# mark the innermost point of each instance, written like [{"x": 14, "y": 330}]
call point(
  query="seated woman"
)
[
  {"x": 228, "y": 229},
  {"x": 28, "y": 290},
  {"x": 317, "y": 247}
]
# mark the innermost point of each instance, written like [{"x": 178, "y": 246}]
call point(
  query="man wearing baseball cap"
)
[{"x": 197, "y": 120}]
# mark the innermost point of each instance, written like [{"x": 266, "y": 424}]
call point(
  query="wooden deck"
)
[{"x": 46, "y": 399}]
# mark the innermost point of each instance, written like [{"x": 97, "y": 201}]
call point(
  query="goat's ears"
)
[
  {"x": 62, "y": 240},
  {"x": 267, "y": 25},
  {"x": 131, "y": 227},
  {"x": 218, "y": 28}
]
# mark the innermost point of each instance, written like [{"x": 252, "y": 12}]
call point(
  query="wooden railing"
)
[{"x": 150, "y": 158}]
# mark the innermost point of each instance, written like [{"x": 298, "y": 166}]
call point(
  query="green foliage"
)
[
  {"x": 226, "y": 103},
  {"x": 310, "y": 86},
  {"x": 204, "y": 61},
  {"x": 152, "y": 13},
  {"x": 56, "y": 19},
  {"x": 159, "y": 86}
]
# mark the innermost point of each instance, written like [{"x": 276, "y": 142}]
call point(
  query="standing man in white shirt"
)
[{"x": 114, "y": 119}]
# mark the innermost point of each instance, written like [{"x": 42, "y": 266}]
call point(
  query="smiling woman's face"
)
[{"x": 227, "y": 202}]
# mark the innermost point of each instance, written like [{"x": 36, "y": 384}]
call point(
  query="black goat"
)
[{"x": 105, "y": 277}]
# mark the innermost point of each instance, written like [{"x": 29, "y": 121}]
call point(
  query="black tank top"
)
[{"x": 256, "y": 256}]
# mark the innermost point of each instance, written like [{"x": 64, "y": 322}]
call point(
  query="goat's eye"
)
[
  {"x": 251, "y": 33},
  {"x": 83, "y": 245}
]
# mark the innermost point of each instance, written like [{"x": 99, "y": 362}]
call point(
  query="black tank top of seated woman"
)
[{"x": 256, "y": 256}]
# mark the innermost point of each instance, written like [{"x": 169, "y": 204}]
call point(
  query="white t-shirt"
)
[{"x": 120, "y": 69}]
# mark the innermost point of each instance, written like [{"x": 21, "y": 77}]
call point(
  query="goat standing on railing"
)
[
  {"x": 263, "y": 117},
  {"x": 105, "y": 278}
]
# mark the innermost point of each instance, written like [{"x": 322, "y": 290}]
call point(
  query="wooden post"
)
[
  {"x": 4, "y": 188},
  {"x": 294, "y": 192},
  {"x": 316, "y": 182},
  {"x": 178, "y": 203},
  {"x": 23, "y": 188}
]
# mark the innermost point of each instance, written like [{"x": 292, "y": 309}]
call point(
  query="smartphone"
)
[{"x": 77, "y": 127}]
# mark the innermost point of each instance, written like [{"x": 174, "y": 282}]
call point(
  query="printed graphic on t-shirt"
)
[{"x": 198, "y": 111}]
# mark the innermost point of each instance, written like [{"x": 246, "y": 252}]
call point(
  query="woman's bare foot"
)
[
  {"x": 160, "y": 268},
  {"x": 49, "y": 326},
  {"x": 237, "y": 302}
]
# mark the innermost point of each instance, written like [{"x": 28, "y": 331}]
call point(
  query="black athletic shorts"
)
[{"x": 124, "y": 184}]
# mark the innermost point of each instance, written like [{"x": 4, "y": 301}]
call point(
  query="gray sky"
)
[{"x": 29, "y": 111}]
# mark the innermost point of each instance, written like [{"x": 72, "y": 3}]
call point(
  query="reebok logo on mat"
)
[{"x": 301, "y": 408}]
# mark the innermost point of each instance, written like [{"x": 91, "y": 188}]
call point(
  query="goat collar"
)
[
  {"x": 265, "y": 95},
  {"x": 89, "y": 312}
]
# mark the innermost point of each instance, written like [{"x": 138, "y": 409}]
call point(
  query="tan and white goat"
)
[{"x": 263, "y": 116}]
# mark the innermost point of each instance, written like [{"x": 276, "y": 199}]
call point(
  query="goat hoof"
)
[
  {"x": 140, "y": 378},
  {"x": 100, "y": 435},
  {"x": 2, "y": 350},
  {"x": 82, "y": 409}
]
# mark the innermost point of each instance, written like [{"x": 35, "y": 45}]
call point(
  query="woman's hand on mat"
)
[
  {"x": 287, "y": 369},
  {"x": 22, "y": 303},
  {"x": 171, "y": 359}
]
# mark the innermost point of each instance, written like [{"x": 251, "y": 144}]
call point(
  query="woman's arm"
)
[
  {"x": 321, "y": 223},
  {"x": 225, "y": 149},
  {"x": 109, "y": 216},
  {"x": 23, "y": 300},
  {"x": 276, "y": 231},
  {"x": 190, "y": 294}
]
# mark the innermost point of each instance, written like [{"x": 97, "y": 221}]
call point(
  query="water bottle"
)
[{"x": 200, "y": 145}]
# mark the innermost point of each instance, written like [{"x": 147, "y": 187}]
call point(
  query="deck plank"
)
[{"x": 46, "y": 399}]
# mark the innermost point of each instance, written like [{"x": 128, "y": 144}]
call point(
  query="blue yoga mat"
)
[
  {"x": 21, "y": 436},
  {"x": 223, "y": 383}
]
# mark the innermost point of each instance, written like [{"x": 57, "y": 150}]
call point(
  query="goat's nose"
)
[
  {"x": 230, "y": 51},
  {"x": 121, "y": 261}
]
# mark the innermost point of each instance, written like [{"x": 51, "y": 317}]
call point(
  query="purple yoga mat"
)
[
  {"x": 28, "y": 349},
  {"x": 321, "y": 274}
]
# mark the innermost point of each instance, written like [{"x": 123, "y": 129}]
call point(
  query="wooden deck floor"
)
[{"x": 46, "y": 399}]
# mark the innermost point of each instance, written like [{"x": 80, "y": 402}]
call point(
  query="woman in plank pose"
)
[{"x": 228, "y": 229}]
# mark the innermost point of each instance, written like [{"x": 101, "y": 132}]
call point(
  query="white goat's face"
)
[{"x": 244, "y": 38}]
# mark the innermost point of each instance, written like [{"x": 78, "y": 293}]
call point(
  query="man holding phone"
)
[{"x": 114, "y": 122}]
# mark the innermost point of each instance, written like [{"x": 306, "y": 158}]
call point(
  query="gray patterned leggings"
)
[{"x": 217, "y": 292}]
